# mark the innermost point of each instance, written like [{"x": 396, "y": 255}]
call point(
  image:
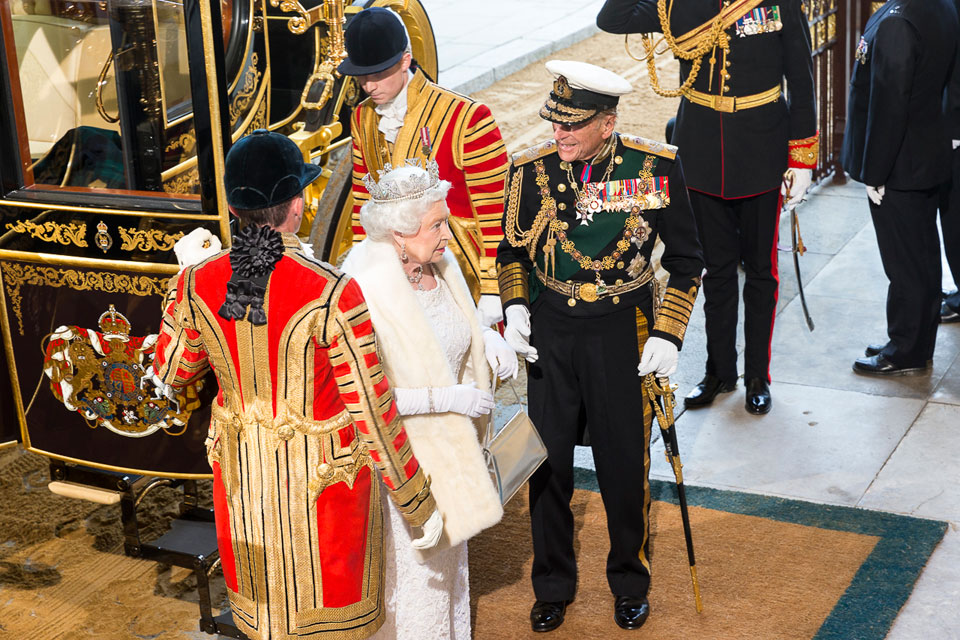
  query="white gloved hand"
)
[
  {"x": 517, "y": 332},
  {"x": 956, "y": 143},
  {"x": 798, "y": 185},
  {"x": 195, "y": 247},
  {"x": 489, "y": 310},
  {"x": 658, "y": 356},
  {"x": 875, "y": 194},
  {"x": 501, "y": 358},
  {"x": 431, "y": 530},
  {"x": 462, "y": 398}
]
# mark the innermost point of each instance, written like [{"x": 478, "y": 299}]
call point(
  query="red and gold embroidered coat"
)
[
  {"x": 468, "y": 147},
  {"x": 303, "y": 415}
]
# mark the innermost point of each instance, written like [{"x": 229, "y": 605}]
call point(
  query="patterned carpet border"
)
[{"x": 883, "y": 583}]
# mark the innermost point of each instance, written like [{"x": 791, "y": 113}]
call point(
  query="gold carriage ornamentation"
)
[{"x": 103, "y": 375}]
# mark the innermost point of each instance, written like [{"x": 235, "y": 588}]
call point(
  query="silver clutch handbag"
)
[{"x": 513, "y": 452}]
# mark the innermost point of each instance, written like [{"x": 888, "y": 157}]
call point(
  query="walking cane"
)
[{"x": 661, "y": 395}]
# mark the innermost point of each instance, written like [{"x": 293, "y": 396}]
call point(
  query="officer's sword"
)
[
  {"x": 661, "y": 394},
  {"x": 796, "y": 246}
]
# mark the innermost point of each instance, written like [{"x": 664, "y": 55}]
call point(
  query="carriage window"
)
[{"x": 106, "y": 95}]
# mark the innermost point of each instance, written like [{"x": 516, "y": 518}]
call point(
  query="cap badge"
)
[{"x": 562, "y": 88}]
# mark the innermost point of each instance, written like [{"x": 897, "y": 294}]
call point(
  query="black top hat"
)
[
  {"x": 375, "y": 40},
  {"x": 264, "y": 169}
]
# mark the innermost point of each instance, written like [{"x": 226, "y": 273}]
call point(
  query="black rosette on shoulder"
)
[{"x": 255, "y": 253}]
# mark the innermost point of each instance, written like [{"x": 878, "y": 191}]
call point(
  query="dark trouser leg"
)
[
  {"x": 950, "y": 224},
  {"x": 759, "y": 224},
  {"x": 905, "y": 224},
  {"x": 717, "y": 225},
  {"x": 619, "y": 421},
  {"x": 554, "y": 399}
]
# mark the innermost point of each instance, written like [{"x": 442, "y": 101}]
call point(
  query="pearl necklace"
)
[{"x": 417, "y": 277}]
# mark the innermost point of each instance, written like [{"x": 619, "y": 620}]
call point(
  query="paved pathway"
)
[{"x": 832, "y": 437}]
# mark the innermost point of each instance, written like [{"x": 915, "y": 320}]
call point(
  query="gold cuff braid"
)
[
  {"x": 514, "y": 283},
  {"x": 675, "y": 310},
  {"x": 805, "y": 153}
]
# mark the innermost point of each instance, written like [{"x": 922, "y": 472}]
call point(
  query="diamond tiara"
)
[{"x": 410, "y": 188}]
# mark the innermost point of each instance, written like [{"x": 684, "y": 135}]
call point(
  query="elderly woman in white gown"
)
[{"x": 438, "y": 359}]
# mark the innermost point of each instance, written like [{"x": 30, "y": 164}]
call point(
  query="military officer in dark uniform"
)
[
  {"x": 896, "y": 142},
  {"x": 950, "y": 194},
  {"x": 582, "y": 214},
  {"x": 739, "y": 134}
]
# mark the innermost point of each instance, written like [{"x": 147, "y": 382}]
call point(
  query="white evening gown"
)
[{"x": 428, "y": 601}]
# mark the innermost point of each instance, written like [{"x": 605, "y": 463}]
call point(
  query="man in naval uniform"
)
[
  {"x": 739, "y": 135},
  {"x": 581, "y": 217},
  {"x": 897, "y": 143},
  {"x": 406, "y": 116}
]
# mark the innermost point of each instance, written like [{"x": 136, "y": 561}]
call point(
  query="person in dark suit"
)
[
  {"x": 950, "y": 193},
  {"x": 739, "y": 134},
  {"x": 582, "y": 214},
  {"x": 896, "y": 143}
]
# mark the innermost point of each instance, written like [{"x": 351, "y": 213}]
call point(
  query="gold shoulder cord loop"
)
[{"x": 717, "y": 38}]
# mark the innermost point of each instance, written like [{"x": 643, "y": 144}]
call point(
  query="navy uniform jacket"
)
[
  {"x": 734, "y": 155},
  {"x": 674, "y": 223},
  {"x": 896, "y": 135}
]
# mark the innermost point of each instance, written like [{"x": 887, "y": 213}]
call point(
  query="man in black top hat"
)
[
  {"x": 741, "y": 136},
  {"x": 896, "y": 142},
  {"x": 582, "y": 214},
  {"x": 407, "y": 116}
]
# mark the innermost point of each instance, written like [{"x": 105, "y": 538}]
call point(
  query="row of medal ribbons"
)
[{"x": 760, "y": 20}]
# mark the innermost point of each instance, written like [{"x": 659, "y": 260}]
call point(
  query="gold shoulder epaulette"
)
[
  {"x": 532, "y": 153},
  {"x": 647, "y": 145}
]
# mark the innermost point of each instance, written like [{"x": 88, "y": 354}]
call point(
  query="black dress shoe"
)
[
  {"x": 630, "y": 612},
  {"x": 948, "y": 313},
  {"x": 873, "y": 349},
  {"x": 708, "y": 388},
  {"x": 879, "y": 366},
  {"x": 547, "y": 616},
  {"x": 758, "y": 396}
]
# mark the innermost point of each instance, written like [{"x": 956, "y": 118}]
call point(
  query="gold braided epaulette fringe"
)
[
  {"x": 533, "y": 153},
  {"x": 647, "y": 145}
]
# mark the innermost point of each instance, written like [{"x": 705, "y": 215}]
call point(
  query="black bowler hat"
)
[
  {"x": 375, "y": 40},
  {"x": 264, "y": 169}
]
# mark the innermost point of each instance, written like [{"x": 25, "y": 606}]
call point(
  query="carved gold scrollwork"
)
[
  {"x": 185, "y": 141},
  {"x": 247, "y": 90},
  {"x": 187, "y": 182},
  {"x": 147, "y": 239},
  {"x": 299, "y": 23},
  {"x": 51, "y": 231},
  {"x": 16, "y": 275}
]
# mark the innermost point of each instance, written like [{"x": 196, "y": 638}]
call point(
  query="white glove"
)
[
  {"x": 195, "y": 247},
  {"x": 431, "y": 529},
  {"x": 490, "y": 310},
  {"x": 956, "y": 143},
  {"x": 517, "y": 332},
  {"x": 463, "y": 398},
  {"x": 459, "y": 398},
  {"x": 875, "y": 194},
  {"x": 501, "y": 358},
  {"x": 658, "y": 356},
  {"x": 797, "y": 185}
]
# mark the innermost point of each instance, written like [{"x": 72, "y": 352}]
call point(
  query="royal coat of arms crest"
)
[{"x": 103, "y": 375}]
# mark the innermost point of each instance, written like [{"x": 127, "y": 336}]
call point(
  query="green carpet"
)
[{"x": 884, "y": 581}]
